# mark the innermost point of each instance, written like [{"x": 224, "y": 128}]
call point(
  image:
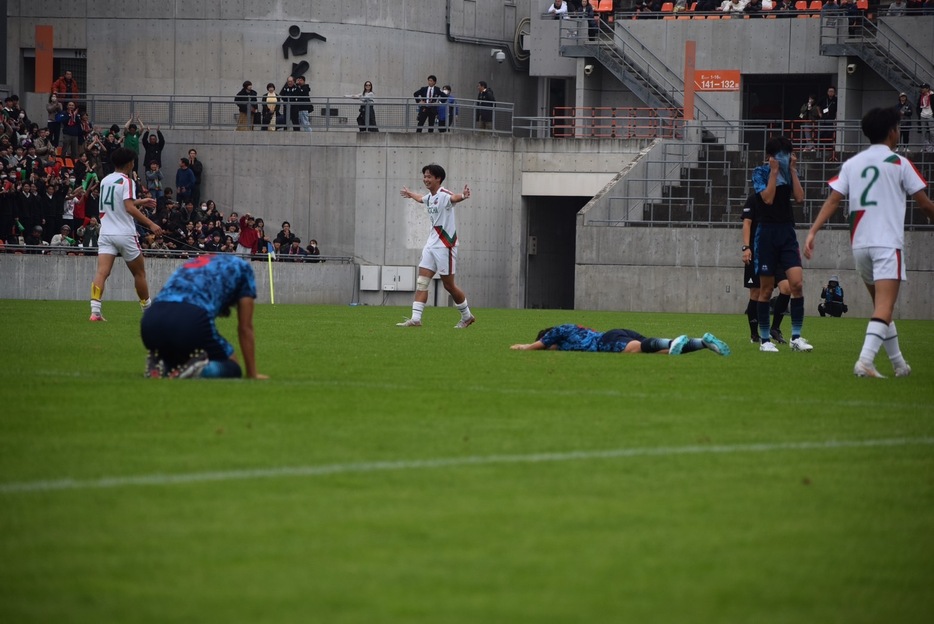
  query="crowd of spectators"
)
[{"x": 50, "y": 189}]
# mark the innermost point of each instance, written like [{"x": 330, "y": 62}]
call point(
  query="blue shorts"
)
[
  {"x": 616, "y": 340},
  {"x": 177, "y": 329},
  {"x": 776, "y": 248}
]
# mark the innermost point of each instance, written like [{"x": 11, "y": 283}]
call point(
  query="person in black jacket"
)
[
  {"x": 153, "y": 144},
  {"x": 246, "y": 104},
  {"x": 290, "y": 96}
]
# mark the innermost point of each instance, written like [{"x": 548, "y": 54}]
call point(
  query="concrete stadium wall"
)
[
  {"x": 69, "y": 278},
  {"x": 638, "y": 269}
]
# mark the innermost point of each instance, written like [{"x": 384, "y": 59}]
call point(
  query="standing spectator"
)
[
  {"x": 926, "y": 117},
  {"x": 906, "y": 112},
  {"x": 73, "y": 137},
  {"x": 448, "y": 110},
  {"x": 485, "y": 106},
  {"x": 427, "y": 100},
  {"x": 54, "y": 108},
  {"x": 440, "y": 252},
  {"x": 111, "y": 145},
  {"x": 153, "y": 182},
  {"x": 810, "y": 114},
  {"x": 263, "y": 244},
  {"x": 153, "y": 144},
  {"x": 366, "y": 118},
  {"x": 304, "y": 104},
  {"x": 246, "y": 104},
  {"x": 66, "y": 87},
  {"x": 248, "y": 235},
  {"x": 828, "y": 110},
  {"x": 588, "y": 14},
  {"x": 289, "y": 96},
  {"x": 118, "y": 232},
  {"x": 897, "y": 8},
  {"x": 285, "y": 235},
  {"x": 197, "y": 168},
  {"x": 877, "y": 235},
  {"x": 270, "y": 108},
  {"x": 131, "y": 137},
  {"x": 184, "y": 181}
]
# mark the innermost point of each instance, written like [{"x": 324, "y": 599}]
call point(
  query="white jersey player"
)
[
  {"x": 876, "y": 182},
  {"x": 440, "y": 252},
  {"x": 119, "y": 210}
]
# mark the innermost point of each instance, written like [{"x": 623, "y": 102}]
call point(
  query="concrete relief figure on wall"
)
[{"x": 297, "y": 44}]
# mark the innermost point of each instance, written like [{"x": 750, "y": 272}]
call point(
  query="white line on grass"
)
[{"x": 420, "y": 464}]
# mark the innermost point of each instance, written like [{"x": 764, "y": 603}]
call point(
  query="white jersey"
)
[
  {"x": 441, "y": 212},
  {"x": 876, "y": 181},
  {"x": 115, "y": 188}
]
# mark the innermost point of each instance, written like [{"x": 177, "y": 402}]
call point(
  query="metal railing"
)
[
  {"x": 611, "y": 122},
  {"x": 179, "y": 112}
]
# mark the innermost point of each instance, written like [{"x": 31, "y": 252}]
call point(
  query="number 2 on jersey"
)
[{"x": 864, "y": 200}]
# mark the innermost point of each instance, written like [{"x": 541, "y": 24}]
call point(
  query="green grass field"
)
[{"x": 433, "y": 475}]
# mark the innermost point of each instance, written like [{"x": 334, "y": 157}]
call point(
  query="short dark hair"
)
[
  {"x": 878, "y": 123},
  {"x": 542, "y": 333},
  {"x": 433, "y": 77},
  {"x": 435, "y": 170},
  {"x": 482, "y": 83},
  {"x": 184, "y": 161},
  {"x": 122, "y": 156},
  {"x": 778, "y": 144}
]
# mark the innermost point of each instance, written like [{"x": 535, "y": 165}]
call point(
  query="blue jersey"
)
[
  {"x": 210, "y": 282},
  {"x": 572, "y": 338}
]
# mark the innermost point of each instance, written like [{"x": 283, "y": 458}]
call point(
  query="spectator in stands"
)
[
  {"x": 54, "y": 108},
  {"x": 732, "y": 6},
  {"x": 313, "y": 250},
  {"x": 184, "y": 181},
  {"x": 35, "y": 239},
  {"x": 851, "y": 11},
  {"x": 197, "y": 168},
  {"x": 153, "y": 144},
  {"x": 62, "y": 241},
  {"x": 926, "y": 117},
  {"x": 786, "y": 8},
  {"x": 427, "y": 99},
  {"x": 304, "y": 104},
  {"x": 90, "y": 233},
  {"x": 810, "y": 113},
  {"x": 448, "y": 109},
  {"x": 246, "y": 104},
  {"x": 262, "y": 242},
  {"x": 233, "y": 232},
  {"x": 485, "y": 106},
  {"x": 215, "y": 243},
  {"x": 285, "y": 235},
  {"x": 896, "y": 9},
  {"x": 230, "y": 245},
  {"x": 366, "y": 116},
  {"x": 73, "y": 138},
  {"x": 906, "y": 111},
  {"x": 131, "y": 137},
  {"x": 270, "y": 110},
  {"x": 753, "y": 8},
  {"x": 66, "y": 87},
  {"x": 828, "y": 111},
  {"x": 153, "y": 183},
  {"x": 558, "y": 9},
  {"x": 293, "y": 251},
  {"x": 289, "y": 95},
  {"x": 588, "y": 14},
  {"x": 248, "y": 235}
]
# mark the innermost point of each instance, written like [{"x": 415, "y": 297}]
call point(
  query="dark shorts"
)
[
  {"x": 776, "y": 247},
  {"x": 178, "y": 329},
  {"x": 616, "y": 340},
  {"x": 751, "y": 280}
]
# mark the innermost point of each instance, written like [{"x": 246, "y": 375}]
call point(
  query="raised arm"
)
[
  {"x": 405, "y": 192},
  {"x": 456, "y": 199}
]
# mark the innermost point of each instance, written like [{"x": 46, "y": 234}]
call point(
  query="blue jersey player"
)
[
  {"x": 179, "y": 330},
  {"x": 578, "y": 338}
]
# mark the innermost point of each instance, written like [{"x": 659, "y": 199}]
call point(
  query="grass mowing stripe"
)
[{"x": 382, "y": 466}]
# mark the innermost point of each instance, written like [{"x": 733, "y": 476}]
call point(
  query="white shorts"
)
[
  {"x": 440, "y": 260},
  {"x": 880, "y": 263},
  {"x": 126, "y": 245}
]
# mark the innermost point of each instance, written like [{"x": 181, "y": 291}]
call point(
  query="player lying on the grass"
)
[
  {"x": 179, "y": 331},
  {"x": 577, "y": 338},
  {"x": 876, "y": 182}
]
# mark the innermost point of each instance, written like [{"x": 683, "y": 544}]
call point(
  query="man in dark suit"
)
[{"x": 427, "y": 100}]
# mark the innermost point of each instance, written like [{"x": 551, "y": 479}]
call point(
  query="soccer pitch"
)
[{"x": 433, "y": 475}]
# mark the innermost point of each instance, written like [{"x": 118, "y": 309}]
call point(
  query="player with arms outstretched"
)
[
  {"x": 876, "y": 182},
  {"x": 440, "y": 252},
  {"x": 119, "y": 208},
  {"x": 179, "y": 330}
]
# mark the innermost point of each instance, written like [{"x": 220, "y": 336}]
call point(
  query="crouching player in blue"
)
[
  {"x": 577, "y": 338},
  {"x": 179, "y": 331}
]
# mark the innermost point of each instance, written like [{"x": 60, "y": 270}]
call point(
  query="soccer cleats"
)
[
  {"x": 904, "y": 371},
  {"x": 192, "y": 368},
  {"x": 677, "y": 345},
  {"x": 715, "y": 344},
  {"x": 776, "y": 335},
  {"x": 155, "y": 367},
  {"x": 800, "y": 344},
  {"x": 768, "y": 347},
  {"x": 97, "y": 318},
  {"x": 465, "y": 323},
  {"x": 861, "y": 369},
  {"x": 409, "y": 323}
]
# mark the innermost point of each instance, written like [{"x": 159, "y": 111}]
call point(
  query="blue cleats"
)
[
  {"x": 715, "y": 344},
  {"x": 678, "y": 344}
]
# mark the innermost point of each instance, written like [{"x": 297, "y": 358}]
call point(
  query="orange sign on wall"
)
[
  {"x": 716, "y": 80},
  {"x": 44, "y": 54}
]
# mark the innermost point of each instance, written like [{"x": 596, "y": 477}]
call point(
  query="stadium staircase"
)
[
  {"x": 633, "y": 64},
  {"x": 881, "y": 48}
]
